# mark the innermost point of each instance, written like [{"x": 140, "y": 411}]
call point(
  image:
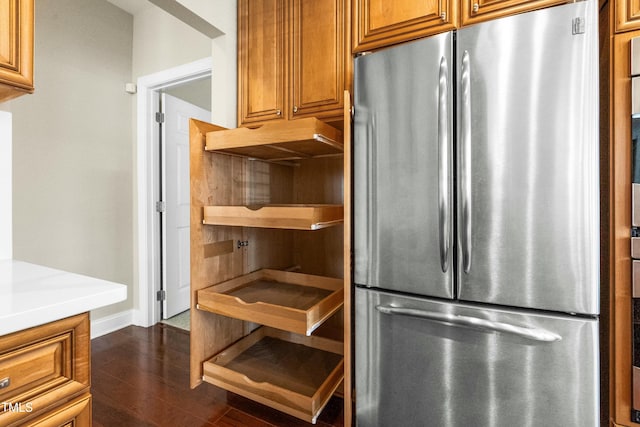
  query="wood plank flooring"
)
[{"x": 140, "y": 377}]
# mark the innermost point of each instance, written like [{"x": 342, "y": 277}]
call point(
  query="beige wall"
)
[
  {"x": 72, "y": 174},
  {"x": 74, "y": 145},
  {"x": 161, "y": 41}
]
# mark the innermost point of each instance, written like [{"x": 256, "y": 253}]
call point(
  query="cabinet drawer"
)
[
  {"x": 42, "y": 367},
  {"x": 74, "y": 414}
]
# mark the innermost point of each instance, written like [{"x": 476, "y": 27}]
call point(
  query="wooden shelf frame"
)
[
  {"x": 285, "y": 389},
  {"x": 289, "y": 217},
  {"x": 279, "y": 141},
  {"x": 283, "y": 309}
]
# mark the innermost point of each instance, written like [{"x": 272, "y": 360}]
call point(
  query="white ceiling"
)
[{"x": 131, "y": 6}]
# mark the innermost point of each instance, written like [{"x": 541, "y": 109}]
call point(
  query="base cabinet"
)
[{"x": 45, "y": 375}]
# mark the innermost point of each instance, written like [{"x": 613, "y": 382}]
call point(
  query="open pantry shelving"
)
[{"x": 265, "y": 202}]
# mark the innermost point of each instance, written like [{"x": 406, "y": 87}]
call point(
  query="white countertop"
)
[{"x": 32, "y": 295}]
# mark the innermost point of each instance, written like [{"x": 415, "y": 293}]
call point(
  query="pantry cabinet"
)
[
  {"x": 270, "y": 289},
  {"x": 16, "y": 48},
  {"x": 292, "y": 59}
]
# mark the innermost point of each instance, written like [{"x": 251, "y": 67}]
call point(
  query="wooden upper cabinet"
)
[
  {"x": 317, "y": 57},
  {"x": 627, "y": 14},
  {"x": 474, "y": 11},
  {"x": 16, "y": 48},
  {"x": 379, "y": 23},
  {"x": 292, "y": 59},
  {"x": 262, "y": 60}
]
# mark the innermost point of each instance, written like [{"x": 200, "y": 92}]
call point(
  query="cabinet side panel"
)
[{"x": 212, "y": 176}]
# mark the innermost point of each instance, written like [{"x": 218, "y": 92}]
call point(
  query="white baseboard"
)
[{"x": 105, "y": 325}]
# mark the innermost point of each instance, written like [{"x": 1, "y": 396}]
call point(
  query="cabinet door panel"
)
[
  {"x": 627, "y": 15},
  {"x": 16, "y": 48},
  {"x": 474, "y": 11},
  {"x": 317, "y": 57},
  {"x": 261, "y": 60},
  {"x": 379, "y": 23}
]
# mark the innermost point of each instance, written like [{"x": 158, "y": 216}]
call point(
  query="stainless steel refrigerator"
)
[{"x": 476, "y": 225}]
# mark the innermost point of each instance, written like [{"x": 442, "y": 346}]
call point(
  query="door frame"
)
[{"x": 147, "y": 308}]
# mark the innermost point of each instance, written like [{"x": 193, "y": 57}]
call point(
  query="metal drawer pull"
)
[
  {"x": 534, "y": 334},
  {"x": 5, "y": 382}
]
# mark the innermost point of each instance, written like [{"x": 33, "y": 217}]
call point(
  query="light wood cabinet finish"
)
[
  {"x": 627, "y": 15},
  {"x": 262, "y": 60},
  {"x": 619, "y": 243},
  {"x": 317, "y": 58},
  {"x": 16, "y": 48},
  {"x": 223, "y": 178},
  {"x": 43, "y": 368},
  {"x": 293, "y": 60},
  {"x": 474, "y": 11},
  {"x": 380, "y": 23}
]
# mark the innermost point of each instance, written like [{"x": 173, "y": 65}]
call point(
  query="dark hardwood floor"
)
[{"x": 140, "y": 377}]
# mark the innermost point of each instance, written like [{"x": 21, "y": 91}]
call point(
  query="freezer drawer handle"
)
[{"x": 534, "y": 334}]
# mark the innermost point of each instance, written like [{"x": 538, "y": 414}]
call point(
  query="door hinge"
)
[
  {"x": 242, "y": 243},
  {"x": 161, "y": 206},
  {"x": 160, "y": 117},
  {"x": 161, "y": 295}
]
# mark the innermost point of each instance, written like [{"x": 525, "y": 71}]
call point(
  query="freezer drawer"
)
[{"x": 430, "y": 363}]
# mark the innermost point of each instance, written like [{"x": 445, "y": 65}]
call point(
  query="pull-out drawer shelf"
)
[
  {"x": 289, "y": 217},
  {"x": 292, "y": 373},
  {"x": 285, "y": 300}
]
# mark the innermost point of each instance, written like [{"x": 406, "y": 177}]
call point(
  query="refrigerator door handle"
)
[
  {"x": 534, "y": 334},
  {"x": 465, "y": 164},
  {"x": 444, "y": 190}
]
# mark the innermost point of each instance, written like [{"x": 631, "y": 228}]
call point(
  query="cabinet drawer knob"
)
[
  {"x": 443, "y": 16},
  {"x": 278, "y": 113},
  {"x": 5, "y": 382},
  {"x": 295, "y": 109},
  {"x": 476, "y": 7}
]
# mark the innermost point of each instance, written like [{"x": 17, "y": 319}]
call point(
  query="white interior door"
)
[{"x": 176, "y": 240}]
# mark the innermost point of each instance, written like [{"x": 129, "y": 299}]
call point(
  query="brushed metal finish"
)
[
  {"x": 534, "y": 161},
  {"x": 396, "y": 167},
  {"x": 416, "y": 372},
  {"x": 445, "y": 184},
  {"x": 635, "y": 278},
  {"x": 635, "y": 96},
  {"x": 635, "y": 205},
  {"x": 635, "y": 56},
  {"x": 635, "y": 247},
  {"x": 636, "y": 387},
  {"x": 534, "y": 334},
  {"x": 465, "y": 164}
]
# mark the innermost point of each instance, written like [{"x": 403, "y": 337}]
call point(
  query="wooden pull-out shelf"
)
[
  {"x": 293, "y": 217},
  {"x": 292, "y": 373},
  {"x": 283, "y": 140},
  {"x": 285, "y": 300}
]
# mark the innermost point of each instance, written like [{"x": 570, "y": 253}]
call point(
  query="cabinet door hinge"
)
[
  {"x": 161, "y": 295},
  {"x": 161, "y": 206},
  {"x": 159, "y": 117}
]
